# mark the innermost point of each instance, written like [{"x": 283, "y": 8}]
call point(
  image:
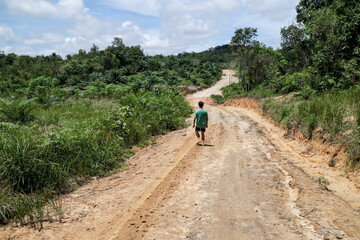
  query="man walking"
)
[{"x": 200, "y": 123}]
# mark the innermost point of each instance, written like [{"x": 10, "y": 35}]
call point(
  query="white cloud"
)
[
  {"x": 52, "y": 38},
  {"x": 184, "y": 22},
  {"x": 275, "y": 10},
  {"x": 143, "y": 7},
  {"x": 21, "y": 50},
  {"x": 89, "y": 27},
  {"x": 63, "y": 9},
  {"x": 199, "y": 6},
  {"x": 7, "y": 34},
  {"x": 46, "y": 39},
  {"x": 186, "y": 25},
  {"x": 34, "y": 42}
]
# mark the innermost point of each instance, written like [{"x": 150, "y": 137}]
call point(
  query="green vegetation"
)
[
  {"x": 317, "y": 69},
  {"x": 319, "y": 51},
  {"x": 323, "y": 182},
  {"x": 63, "y": 121},
  {"x": 67, "y": 142},
  {"x": 47, "y": 76},
  {"x": 335, "y": 115},
  {"x": 221, "y": 55}
]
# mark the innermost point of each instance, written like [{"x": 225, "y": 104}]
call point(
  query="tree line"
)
[
  {"x": 319, "y": 51},
  {"x": 117, "y": 64}
]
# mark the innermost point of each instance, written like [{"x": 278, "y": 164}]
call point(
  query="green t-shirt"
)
[{"x": 201, "y": 117}]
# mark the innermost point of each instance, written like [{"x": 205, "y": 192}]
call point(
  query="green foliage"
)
[
  {"x": 353, "y": 148},
  {"x": 42, "y": 88},
  {"x": 243, "y": 44},
  {"x": 233, "y": 90},
  {"x": 236, "y": 90},
  {"x": 296, "y": 48},
  {"x": 91, "y": 109},
  {"x": 323, "y": 182},
  {"x": 79, "y": 138},
  {"x": 218, "y": 98},
  {"x": 17, "y": 110},
  {"x": 294, "y": 82},
  {"x": 337, "y": 114},
  {"x": 325, "y": 38},
  {"x": 306, "y": 92},
  {"x": 320, "y": 51},
  {"x": 257, "y": 64},
  {"x": 22, "y": 208}
]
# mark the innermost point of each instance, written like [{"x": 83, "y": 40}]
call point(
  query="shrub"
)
[
  {"x": 336, "y": 112},
  {"x": 218, "y": 98},
  {"x": 41, "y": 89},
  {"x": 17, "y": 110}
]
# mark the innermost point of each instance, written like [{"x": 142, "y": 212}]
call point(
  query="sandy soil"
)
[{"x": 246, "y": 183}]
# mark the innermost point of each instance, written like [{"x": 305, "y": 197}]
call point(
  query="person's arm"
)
[
  {"x": 207, "y": 121},
  {"x": 194, "y": 122}
]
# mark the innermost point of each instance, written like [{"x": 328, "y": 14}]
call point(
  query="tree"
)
[
  {"x": 242, "y": 44},
  {"x": 117, "y": 42},
  {"x": 94, "y": 49},
  {"x": 296, "y": 47},
  {"x": 307, "y": 9}
]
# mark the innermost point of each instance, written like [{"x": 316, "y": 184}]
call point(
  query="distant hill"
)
[{"x": 220, "y": 54}]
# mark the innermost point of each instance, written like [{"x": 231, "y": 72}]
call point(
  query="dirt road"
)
[
  {"x": 241, "y": 185},
  {"x": 227, "y": 78}
]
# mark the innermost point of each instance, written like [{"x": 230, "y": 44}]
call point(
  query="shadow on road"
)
[{"x": 206, "y": 145}]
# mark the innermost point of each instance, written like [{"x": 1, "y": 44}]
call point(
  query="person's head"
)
[{"x": 201, "y": 104}]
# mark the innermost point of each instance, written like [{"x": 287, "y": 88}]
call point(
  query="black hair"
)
[{"x": 201, "y": 104}]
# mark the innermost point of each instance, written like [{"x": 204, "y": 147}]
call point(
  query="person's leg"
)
[
  {"x": 197, "y": 135},
  {"x": 203, "y": 138}
]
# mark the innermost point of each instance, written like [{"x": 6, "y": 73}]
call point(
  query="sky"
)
[{"x": 42, "y": 27}]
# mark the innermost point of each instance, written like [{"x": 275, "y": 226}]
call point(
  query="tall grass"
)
[
  {"x": 337, "y": 113},
  {"x": 236, "y": 90},
  {"x": 65, "y": 143}
]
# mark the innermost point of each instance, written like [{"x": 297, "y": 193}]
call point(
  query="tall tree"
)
[
  {"x": 242, "y": 44},
  {"x": 296, "y": 47}
]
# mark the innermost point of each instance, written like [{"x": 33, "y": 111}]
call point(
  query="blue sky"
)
[{"x": 41, "y": 27}]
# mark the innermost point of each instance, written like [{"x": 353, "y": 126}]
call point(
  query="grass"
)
[
  {"x": 236, "y": 90},
  {"x": 259, "y": 130},
  {"x": 336, "y": 114},
  {"x": 66, "y": 143}
]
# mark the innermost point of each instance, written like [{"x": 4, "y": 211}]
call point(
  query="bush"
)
[
  {"x": 17, "y": 110},
  {"x": 41, "y": 88},
  {"x": 337, "y": 113},
  {"x": 158, "y": 112},
  {"x": 218, "y": 98},
  {"x": 292, "y": 82}
]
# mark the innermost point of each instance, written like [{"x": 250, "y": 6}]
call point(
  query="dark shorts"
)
[{"x": 200, "y": 129}]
